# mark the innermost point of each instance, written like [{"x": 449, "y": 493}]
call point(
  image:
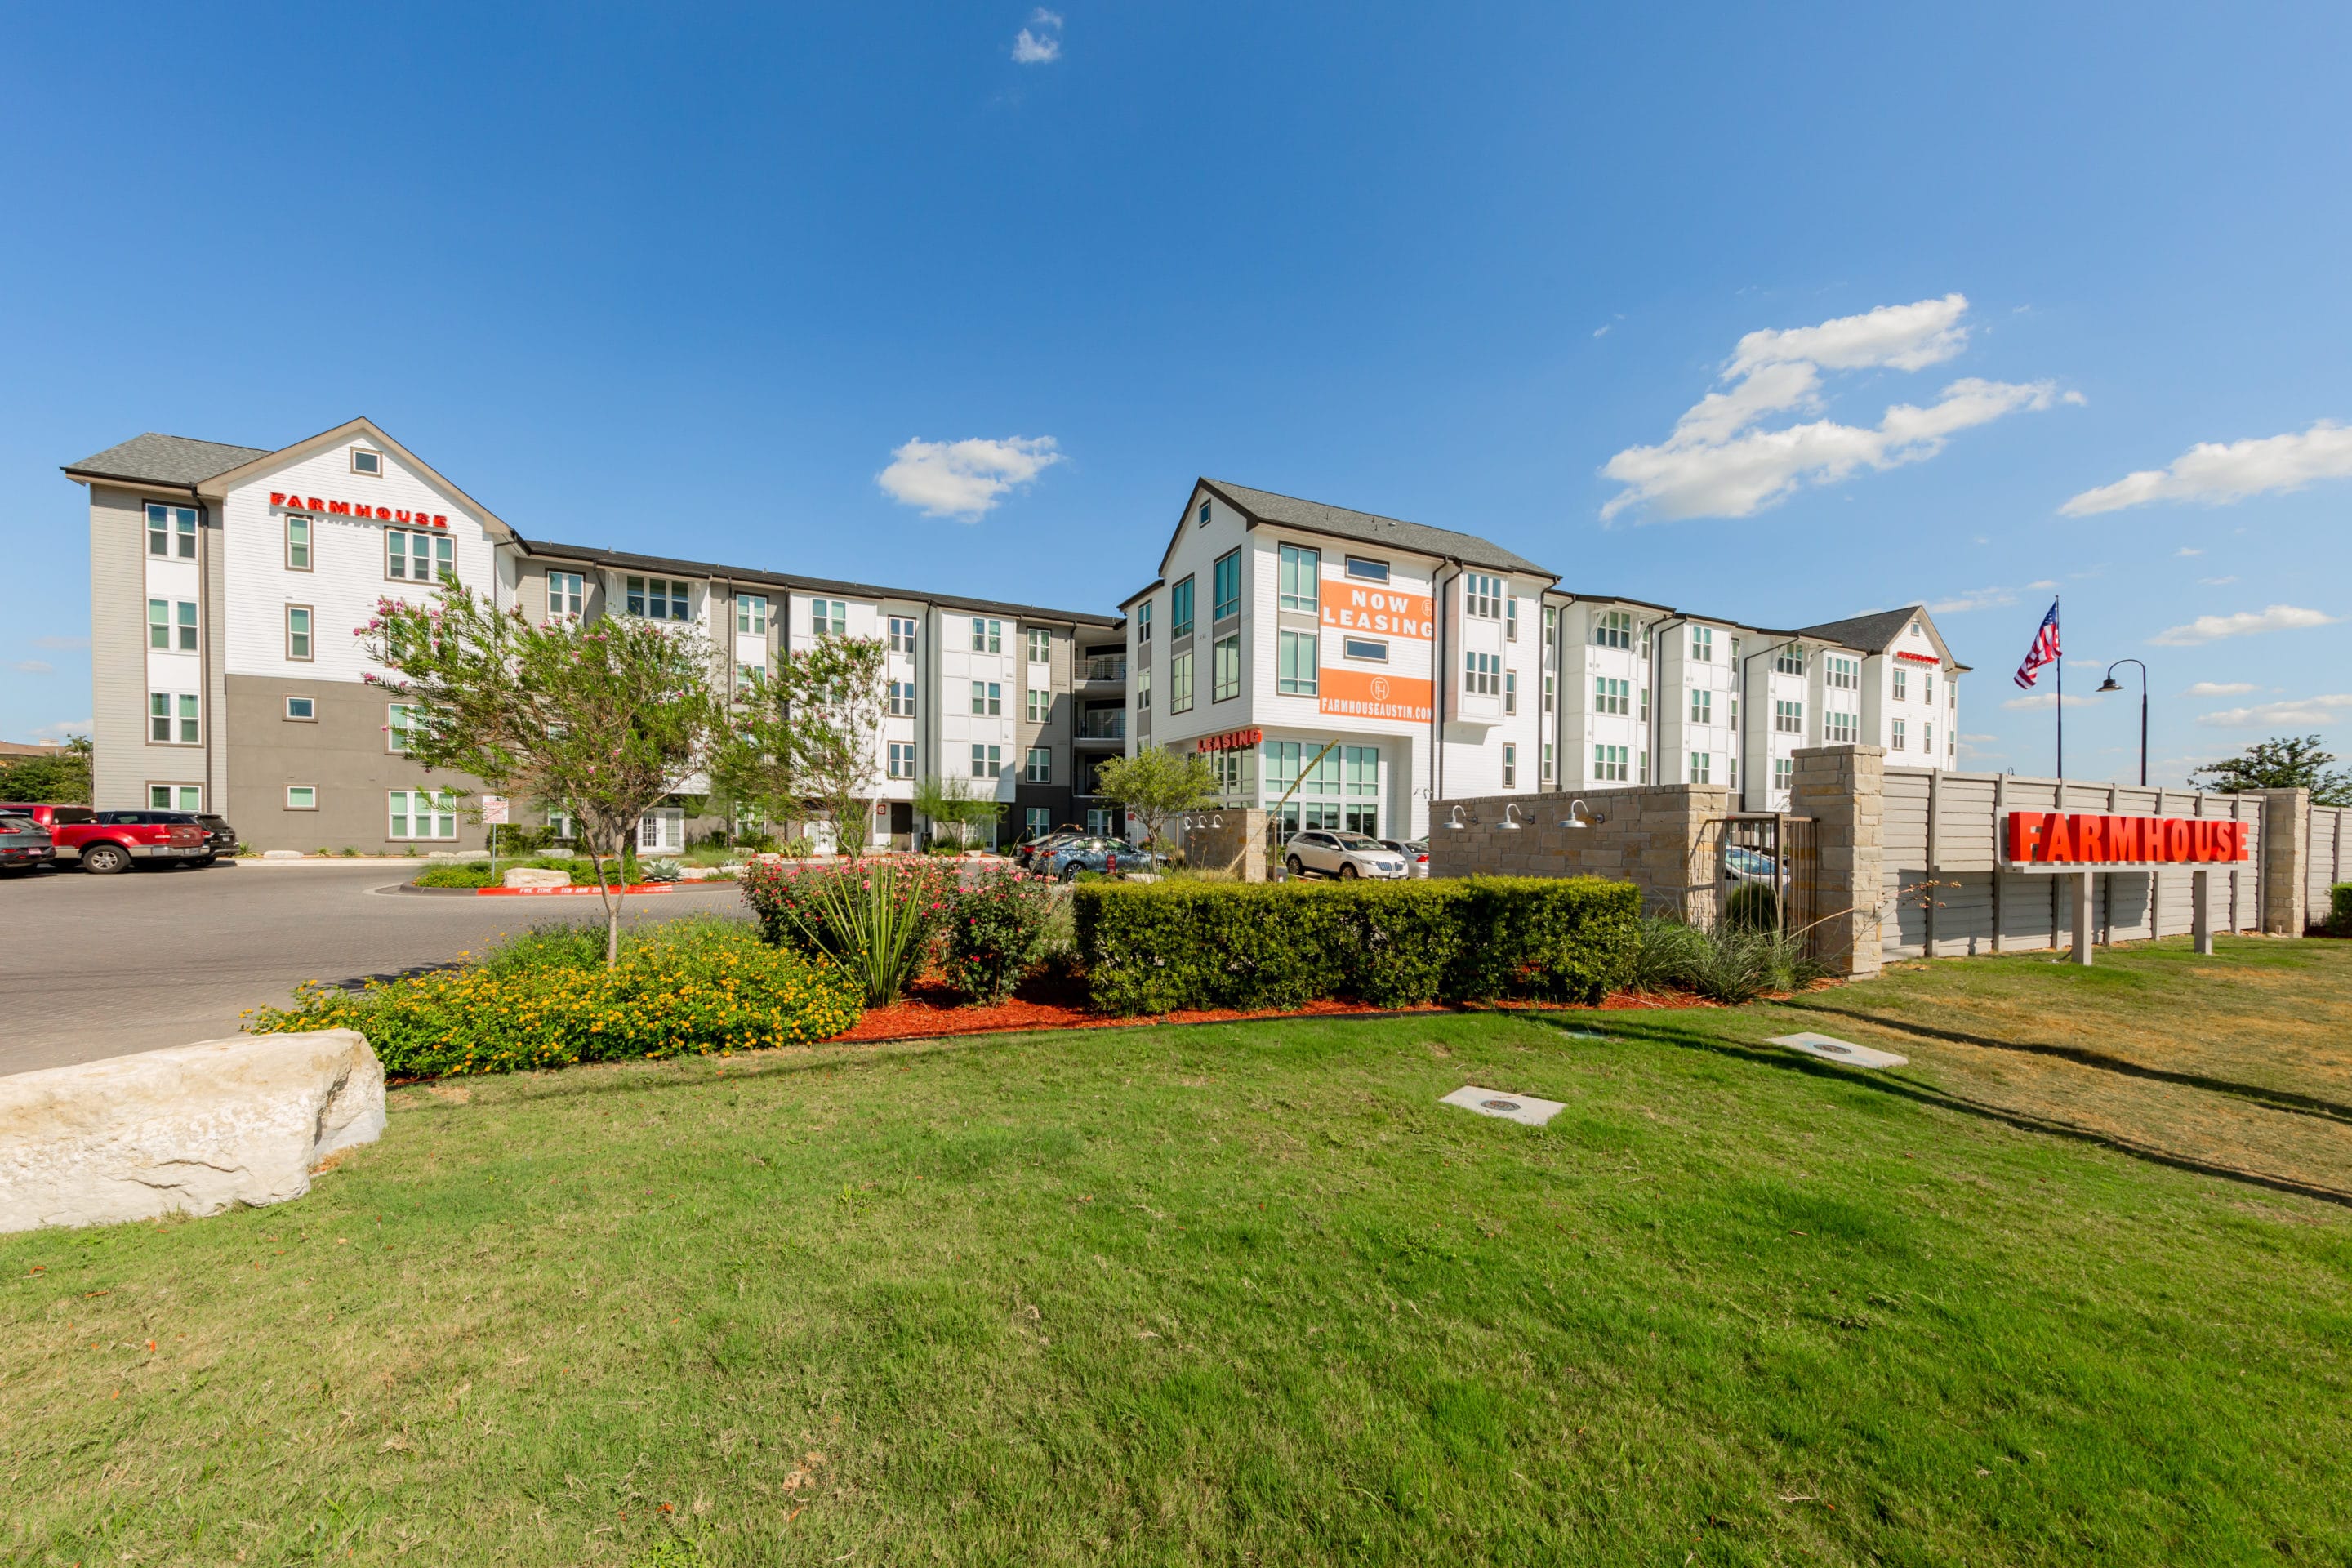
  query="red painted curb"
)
[{"x": 592, "y": 890}]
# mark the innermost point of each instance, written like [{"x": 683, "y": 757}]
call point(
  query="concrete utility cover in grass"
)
[
  {"x": 1838, "y": 1050},
  {"x": 1520, "y": 1108}
]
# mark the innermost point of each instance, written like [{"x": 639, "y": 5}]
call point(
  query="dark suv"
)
[{"x": 220, "y": 838}]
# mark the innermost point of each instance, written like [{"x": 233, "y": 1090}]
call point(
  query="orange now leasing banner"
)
[
  {"x": 2082, "y": 839},
  {"x": 1372, "y": 694},
  {"x": 1378, "y": 610}
]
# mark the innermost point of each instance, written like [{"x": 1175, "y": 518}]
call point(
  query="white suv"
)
[{"x": 1346, "y": 856}]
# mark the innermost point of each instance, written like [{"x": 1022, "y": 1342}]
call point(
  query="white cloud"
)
[
  {"x": 2298, "y": 713},
  {"x": 1974, "y": 599},
  {"x": 2212, "y": 628},
  {"x": 34, "y": 666},
  {"x": 2220, "y": 689},
  {"x": 64, "y": 729},
  {"x": 2218, "y": 581},
  {"x": 1720, "y": 462},
  {"x": 2218, "y": 474},
  {"x": 2184, "y": 552},
  {"x": 2045, "y": 700},
  {"x": 60, "y": 644},
  {"x": 964, "y": 478},
  {"x": 2045, "y": 585},
  {"x": 1043, "y": 46}
]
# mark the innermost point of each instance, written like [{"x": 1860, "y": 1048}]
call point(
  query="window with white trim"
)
[
  {"x": 1894, "y": 734},
  {"x": 175, "y": 797},
  {"x": 1609, "y": 765},
  {"x": 297, "y": 541},
  {"x": 901, "y": 760},
  {"x": 301, "y": 797},
  {"x": 173, "y": 719},
  {"x": 419, "y": 555},
  {"x": 1041, "y": 705},
  {"x": 1613, "y": 628},
  {"x": 1040, "y": 820},
  {"x": 1511, "y": 620},
  {"x": 1510, "y": 692},
  {"x": 1928, "y": 738},
  {"x": 1788, "y": 718},
  {"x": 1702, "y": 644},
  {"x": 1790, "y": 659},
  {"x": 1547, "y": 761},
  {"x": 1612, "y": 696},
  {"x": 751, "y": 615},
  {"x": 1041, "y": 646},
  {"x": 828, "y": 617},
  {"x": 368, "y": 462},
  {"x": 1701, "y": 767},
  {"x": 1298, "y": 578},
  {"x": 988, "y": 697},
  {"x": 1038, "y": 767},
  {"x": 1226, "y": 669},
  {"x": 1927, "y": 685},
  {"x": 401, "y": 720},
  {"x": 1510, "y": 766},
  {"x": 987, "y": 635},
  {"x": 1702, "y": 706},
  {"x": 899, "y": 696},
  {"x": 1179, "y": 684},
  {"x": 1841, "y": 729},
  {"x": 1366, "y": 570},
  {"x": 1842, "y": 674},
  {"x": 1482, "y": 674},
  {"x": 902, "y": 633},
  {"x": 172, "y": 530},
  {"x": 1298, "y": 656},
  {"x": 1784, "y": 773},
  {"x": 303, "y": 710},
  {"x": 297, "y": 633},
  {"x": 420, "y": 813},
  {"x": 567, "y": 594},
  {"x": 1900, "y": 681},
  {"x": 171, "y": 624},
  {"x": 987, "y": 761},
  {"x": 1482, "y": 595},
  {"x": 1369, "y": 649},
  {"x": 750, "y": 675}
]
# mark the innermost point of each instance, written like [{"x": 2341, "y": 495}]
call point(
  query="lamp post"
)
[{"x": 2112, "y": 684}]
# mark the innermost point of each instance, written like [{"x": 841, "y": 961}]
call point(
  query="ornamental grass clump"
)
[
  {"x": 694, "y": 987},
  {"x": 996, "y": 932},
  {"x": 873, "y": 918}
]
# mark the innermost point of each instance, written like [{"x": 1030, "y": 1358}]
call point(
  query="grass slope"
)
[{"x": 1218, "y": 1294}]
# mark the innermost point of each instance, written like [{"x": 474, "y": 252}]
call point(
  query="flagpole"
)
[{"x": 2060, "y": 661}]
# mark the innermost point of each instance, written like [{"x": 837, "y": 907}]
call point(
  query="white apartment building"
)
[
  {"x": 226, "y": 583},
  {"x": 1344, "y": 670}
]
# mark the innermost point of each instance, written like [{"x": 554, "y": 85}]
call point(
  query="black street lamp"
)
[{"x": 2112, "y": 684}]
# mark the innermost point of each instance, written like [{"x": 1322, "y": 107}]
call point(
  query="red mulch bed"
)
[{"x": 934, "y": 1008}]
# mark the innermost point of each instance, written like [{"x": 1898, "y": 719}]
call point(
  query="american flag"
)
[{"x": 2043, "y": 651}]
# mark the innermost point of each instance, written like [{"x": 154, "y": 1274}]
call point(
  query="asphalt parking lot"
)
[{"x": 100, "y": 966}]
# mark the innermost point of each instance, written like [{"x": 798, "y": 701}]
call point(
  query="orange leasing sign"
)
[
  {"x": 1381, "y": 612},
  {"x": 1373, "y": 694},
  {"x": 2082, "y": 839}
]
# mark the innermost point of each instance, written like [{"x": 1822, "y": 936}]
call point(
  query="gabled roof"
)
[
  {"x": 173, "y": 460},
  {"x": 623, "y": 560},
  {"x": 1368, "y": 528},
  {"x": 1876, "y": 632},
  {"x": 219, "y": 485}
]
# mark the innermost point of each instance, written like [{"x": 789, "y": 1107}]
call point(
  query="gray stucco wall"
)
[{"x": 341, "y": 755}]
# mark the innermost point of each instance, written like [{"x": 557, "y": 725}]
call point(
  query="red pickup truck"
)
[{"x": 109, "y": 841}]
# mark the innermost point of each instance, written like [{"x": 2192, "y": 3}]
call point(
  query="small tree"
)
[
  {"x": 2282, "y": 762},
  {"x": 605, "y": 718},
  {"x": 61, "y": 778},
  {"x": 808, "y": 736},
  {"x": 953, "y": 802},
  {"x": 1156, "y": 783}
]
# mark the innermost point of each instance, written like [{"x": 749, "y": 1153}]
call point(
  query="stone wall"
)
[
  {"x": 1644, "y": 834},
  {"x": 1843, "y": 790},
  {"x": 1223, "y": 840},
  {"x": 2285, "y": 847}
]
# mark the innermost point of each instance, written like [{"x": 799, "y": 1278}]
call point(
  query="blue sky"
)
[{"x": 687, "y": 282}]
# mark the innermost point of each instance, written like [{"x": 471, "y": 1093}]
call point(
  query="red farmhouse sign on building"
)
[
  {"x": 357, "y": 509},
  {"x": 2076, "y": 838}
]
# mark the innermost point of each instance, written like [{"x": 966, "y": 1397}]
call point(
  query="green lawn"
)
[{"x": 1237, "y": 1294}]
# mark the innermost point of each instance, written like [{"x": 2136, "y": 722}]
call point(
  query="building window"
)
[
  {"x": 987, "y": 761},
  {"x": 171, "y": 719},
  {"x": 301, "y": 797},
  {"x": 1610, "y": 696},
  {"x": 1701, "y": 767},
  {"x": 899, "y": 696},
  {"x": 1482, "y": 674},
  {"x": 1225, "y": 586},
  {"x": 366, "y": 462},
  {"x": 1370, "y": 649},
  {"x": 901, "y": 759},
  {"x": 1645, "y": 714},
  {"x": 1510, "y": 692},
  {"x": 987, "y": 635},
  {"x": 303, "y": 710},
  {"x": 1615, "y": 628},
  {"x": 1784, "y": 773},
  {"x": 827, "y": 617},
  {"x": 1843, "y": 729},
  {"x": 401, "y": 720},
  {"x": 567, "y": 592},
  {"x": 1510, "y": 766},
  {"x": 1609, "y": 765},
  {"x": 1180, "y": 609},
  {"x": 1143, "y": 689},
  {"x": 1790, "y": 660},
  {"x": 413, "y": 556},
  {"x": 297, "y": 632},
  {"x": 298, "y": 543},
  {"x": 171, "y": 624},
  {"x": 1297, "y": 658},
  {"x": 1642, "y": 766},
  {"x": 1143, "y": 622},
  {"x": 1368, "y": 571},
  {"x": 1225, "y": 671},
  {"x": 1915, "y": 629},
  {"x": 751, "y": 615},
  {"x": 1894, "y": 734},
  {"x": 1551, "y": 694},
  {"x": 748, "y": 674},
  {"x": 1844, "y": 674},
  {"x": 1298, "y": 578},
  {"x": 1040, "y": 820},
  {"x": 1702, "y": 644},
  {"x": 1041, "y": 646},
  {"x": 175, "y": 797},
  {"x": 1900, "y": 681},
  {"x": 988, "y": 697},
  {"x": 1041, "y": 705},
  {"x": 1039, "y": 767},
  {"x": 558, "y": 822},
  {"x": 1928, "y": 686},
  {"x": 1204, "y": 514},
  {"x": 1702, "y": 706},
  {"x": 1927, "y": 739},
  {"x": 1482, "y": 595},
  {"x": 172, "y": 530},
  {"x": 1179, "y": 684},
  {"x": 1511, "y": 620},
  {"x": 1788, "y": 718},
  {"x": 902, "y": 633},
  {"x": 423, "y": 813}
]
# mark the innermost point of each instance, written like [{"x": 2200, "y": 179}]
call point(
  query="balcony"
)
[
  {"x": 1103, "y": 727},
  {"x": 1102, "y": 672}
]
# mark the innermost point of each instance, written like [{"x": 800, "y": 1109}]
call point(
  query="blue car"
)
[{"x": 1063, "y": 862}]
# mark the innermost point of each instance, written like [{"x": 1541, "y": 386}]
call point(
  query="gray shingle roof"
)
[
  {"x": 1870, "y": 633},
  {"x": 165, "y": 460},
  {"x": 1369, "y": 527}
]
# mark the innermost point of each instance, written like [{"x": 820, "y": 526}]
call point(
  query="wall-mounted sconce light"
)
[
  {"x": 1456, "y": 822},
  {"x": 1581, "y": 816},
  {"x": 1511, "y": 816}
]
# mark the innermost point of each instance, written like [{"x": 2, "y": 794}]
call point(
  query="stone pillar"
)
[
  {"x": 2286, "y": 854},
  {"x": 1223, "y": 839},
  {"x": 1843, "y": 790}
]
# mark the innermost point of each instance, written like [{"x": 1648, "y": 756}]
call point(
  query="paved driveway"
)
[{"x": 97, "y": 966}]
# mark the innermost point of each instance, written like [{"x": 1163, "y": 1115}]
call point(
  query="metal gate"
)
[{"x": 1775, "y": 853}]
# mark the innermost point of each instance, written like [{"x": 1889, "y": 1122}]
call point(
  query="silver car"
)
[{"x": 1332, "y": 852}]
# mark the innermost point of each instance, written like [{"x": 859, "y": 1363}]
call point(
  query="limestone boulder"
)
[
  {"x": 194, "y": 1130},
  {"x": 536, "y": 877}
]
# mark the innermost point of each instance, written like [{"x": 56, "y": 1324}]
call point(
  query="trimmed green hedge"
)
[
  {"x": 1159, "y": 947},
  {"x": 2339, "y": 909}
]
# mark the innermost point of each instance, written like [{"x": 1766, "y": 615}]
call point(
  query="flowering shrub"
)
[
  {"x": 692, "y": 988},
  {"x": 996, "y": 932},
  {"x": 874, "y": 918}
]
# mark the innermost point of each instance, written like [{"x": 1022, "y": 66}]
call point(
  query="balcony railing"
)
[
  {"x": 1103, "y": 666},
  {"x": 1103, "y": 726}
]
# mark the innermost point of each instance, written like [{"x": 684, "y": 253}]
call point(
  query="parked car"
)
[
  {"x": 218, "y": 834},
  {"x": 1088, "y": 853},
  {"x": 1741, "y": 864},
  {"x": 1347, "y": 855},
  {"x": 1025, "y": 853},
  {"x": 104, "y": 842},
  {"x": 25, "y": 845},
  {"x": 1415, "y": 852}
]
